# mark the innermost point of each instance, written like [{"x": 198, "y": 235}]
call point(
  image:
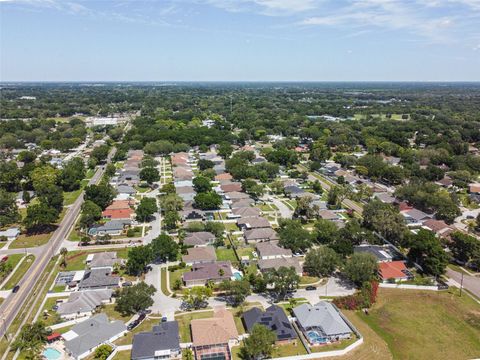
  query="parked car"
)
[
  {"x": 164, "y": 319},
  {"x": 15, "y": 288},
  {"x": 127, "y": 283},
  {"x": 5, "y": 258},
  {"x": 311, "y": 288}
]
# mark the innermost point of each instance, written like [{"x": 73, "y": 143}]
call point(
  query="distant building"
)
[
  {"x": 11, "y": 234},
  {"x": 102, "y": 121}
]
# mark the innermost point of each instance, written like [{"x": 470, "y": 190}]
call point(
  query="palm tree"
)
[{"x": 64, "y": 252}]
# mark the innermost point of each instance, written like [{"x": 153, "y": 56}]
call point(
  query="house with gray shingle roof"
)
[
  {"x": 99, "y": 279},
  {"x": 200, "y": 238},
  {"x": 274, "y": 318},
  {"x": 163, "y": 342},
  {"x": 83, "y": 303},
  {"x": 86, "y": 336},
  {"x": 321, "y": 323}
]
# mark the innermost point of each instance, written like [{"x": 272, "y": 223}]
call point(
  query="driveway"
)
[
  {"x": 162, "y": 304},
  {"x": 334, "y": 287},
  {"x": 285, "y": 211},
  {"x": 471, "y": 283},
  {"x": 465, "y": 213}
]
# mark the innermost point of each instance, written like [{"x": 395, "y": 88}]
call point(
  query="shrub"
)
[{"x": 364, "y": 298}]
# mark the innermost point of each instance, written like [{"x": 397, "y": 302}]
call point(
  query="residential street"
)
[
  {"x": 162, "y": 304},
  {"x": 471, "y": 283}
]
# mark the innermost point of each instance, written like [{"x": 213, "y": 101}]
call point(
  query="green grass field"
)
[
  {"x": 13, "y": 261},
  {"x": 225, "y": 255},
  {"x": 22, "y": 269},
  {"x": 426, "y": 324},
  {"x": 24, "y": 241}
]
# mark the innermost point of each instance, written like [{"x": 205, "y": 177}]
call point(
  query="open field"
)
[
  {"x": 24, "y": 241},
  {"x": 426, "y": 324}
]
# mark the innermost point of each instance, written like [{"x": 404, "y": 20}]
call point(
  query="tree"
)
[
  {"x": 150, "y": 175},
  {"x": 325, "y": 231},
  {"x": 135, "y": 298},
  {"x": 283, "y": 280},
  {"x": 204, "y": 164},
  {"x": 39, "y": 215},
  {"x": 385, "y": 219},
  {"x": 317, "y": 187},
  {"x": 52, "y": 196},
  {"x": 138, "y": 259},
  {"x": 208, "y": 201},
  {"x": 293, "y": 236},
  {"x": 8, "y": 209},
  {"x": 252, "y": 188},
  {"x": 31, "y": 338},
  {"x": 305, "y": 208},
  {"x": 168, "y": 188},
  {"x": 91, "y": 213},
  {"x": 146, "y": 208},
  {"x": 259, "y": 345},
  {"x": 225, "y": 149},
  {"x": 110, "y": 170},
  {"x": 44, "y": 175},
  {"x": 235, "y": 291},
  {"x": 72, "y": 174},
  {"x": 164, "y": 248},
  {"x": 202, "y": 184},
  {"x": 171, "y": 202},
  {"x": 321, "y": 261},
  {"x": 361, "y": 267},
  {"x": 464, "y": 247},
  {"x": 102, "y": 194},
  {"x": 100, "y": 153},
  {"x": 170, "y": 220},
  {"x": 64, "y": 252},
  {"x": 196, "y": 296},
  {"x": 426, "y": 250},
  {"x": 102, "y": 352},
  {"x": 187, "y": 354}
]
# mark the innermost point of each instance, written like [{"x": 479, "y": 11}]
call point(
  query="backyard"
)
[{"x": 426, "y": 325}]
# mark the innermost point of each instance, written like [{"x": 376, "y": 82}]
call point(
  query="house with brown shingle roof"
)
[
  {"x": 242, "y": 203},
  {"x": 257, "y": 222},
  {"x": 277, "y": 263},
  {"x": 223, "y": 177},
  {"x": 200, "y": 255},
  {"x": 439, "y": 227},
  {"x": 213, "y": 337},
  {"x": 245, "y": 212},
  {"x": 262, "y": 234},
  {"x": 236, "y": 195},
  {"x": 271, "y": 250},
  {"x": 231, "y": 187},
  {"x": 200, "y": 238},
  {"x": 202, "y": 273}
]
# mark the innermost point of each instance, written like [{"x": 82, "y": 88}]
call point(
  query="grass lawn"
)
[
  {"x": 70, "y": 197},
  {"x": 76, "y": 259},
  {"x": 245, "y": 251},
  {"x": 13, "y": 259},
  {"x": 24, "y": 241},
  {"x": 305, "y": 280},
  {"x": 122, "y": 355},
  {"x": 49, "y": 316},
  {"x": 145, "y": 326},
  {"x": 426, "y": 325},
  {"x": 177, "y": 274},
  {"x": 225, "y": 254},
  {"x": 231, "y": 226},
  {"x": 163, "y": 273},
  {"x": 238, "y": 322},
  {"x": 22, "y": 269},
  {"x": 337, "y": 346},
  {"x": 114, "y": 314},
  {"x": 289, "y": 350},
  {"x": 184, "y": 323}
]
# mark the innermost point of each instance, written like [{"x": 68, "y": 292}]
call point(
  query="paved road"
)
[
  {"x": 466, "y": 213},
  {"x": 14, "y": 302},
  {"x": 162, "y": 304},
  {"x": 285, "y": 211},
  {"x": 471, "y": 283}
]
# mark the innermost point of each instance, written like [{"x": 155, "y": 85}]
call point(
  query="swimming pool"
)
[
  {"x": 52, "y": 354},
  {"x": 316, "y": 338},
  {"x": 237, "y": 276}
]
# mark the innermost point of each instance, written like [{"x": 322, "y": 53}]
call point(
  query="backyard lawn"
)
[
  {"x": 224, "y": 254},
  {"x": 24, "y": 241},
  {"x": 114, "y": 314},
  {"x": 426, "y": 324},
  {"x": 49, "y": 316},
  {"x": 22, "y": 269},
  {"x": 145, "y": 326},
  {"x": 184, "y": 323},
  {"x": 177, "y": 274}
]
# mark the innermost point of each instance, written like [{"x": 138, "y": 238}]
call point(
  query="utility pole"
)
[{"x": 461, "y": 285}]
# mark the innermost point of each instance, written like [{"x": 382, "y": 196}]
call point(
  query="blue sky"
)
[{"x": 241, "y": 40}]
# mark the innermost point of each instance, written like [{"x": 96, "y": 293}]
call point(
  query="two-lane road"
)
[{"x": 14, "y": 302}]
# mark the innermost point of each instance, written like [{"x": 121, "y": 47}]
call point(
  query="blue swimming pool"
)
[
  {"x": 237, "y": 276},
  {"x": 316, "y": 338},
  {"x": 52, "y": 354}
]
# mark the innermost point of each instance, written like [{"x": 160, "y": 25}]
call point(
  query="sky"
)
[{"x": 240, "y": 40}]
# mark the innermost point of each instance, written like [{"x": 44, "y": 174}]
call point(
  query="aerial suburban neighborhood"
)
[{"x": 239, "y": 180}]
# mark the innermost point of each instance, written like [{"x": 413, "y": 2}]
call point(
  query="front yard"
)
[{"x": 184, "y": 323}]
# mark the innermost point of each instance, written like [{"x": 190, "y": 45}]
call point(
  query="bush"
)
[
  {"x": 131, "y": 232},
  {"x": 364, "y": 298}
]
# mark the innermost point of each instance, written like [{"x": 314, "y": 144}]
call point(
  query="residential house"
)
[
  {"x": 292, "y": 190},
  {"x": 225, "y": 177},
  {"x": 103, "y": 260},
  {"x": 253, "y": 223},
  {"x": 439, "y": 227},
  {"x": 274, "y": 318},
  {"x": 98, "y": 279},
  {"x": 163, "y": 342},
  {"x": 236, "y": 195},
  {"x": 322, "y": 323},
  {"x": 86, "y": 336},
  {"x": 394, "y": 271},
  {"x": 83, "y": 303},
  {"x": 187, "y": 193},
  {"x": 446, "y": 182},
  {"x": 112, "y": 228},
  {"x": 202, "y": 273},
  {"x": 231, "y": 187},
  {"x": 200, "y": 238},
  {"x": 277, "y": 263},
  {"x": 120, "y": 204},
  {"x": 237, "y": 204},
  {"x": 258, "y": 235},
  {"x": 329, "y": 215},
  {"x": 182, "y": 174},
  {"x": 126, "y": 189},
  {"x": 381, "y": 253},
  {"x": 118, "y": 214},
  {"x": 245, "y": 212},
  {"x": 271, "y": 250},
  {"x": 385, "y": 197},
  {"x": 11, "y": 233},
  {"x": 191, "y": 214},
  {"x": 213, "y": 337},
  {"x": 415, "y": 217},
  {"x": 200, "y": 255},
  {"x": 474, "y": 188}
]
